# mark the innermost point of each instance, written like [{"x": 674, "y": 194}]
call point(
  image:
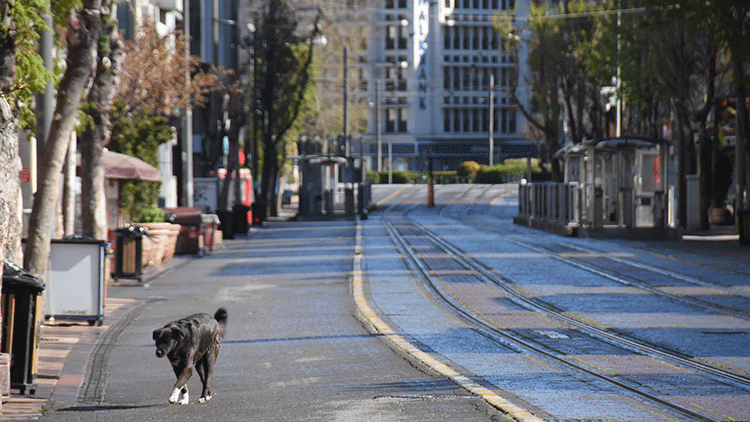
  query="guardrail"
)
[{"x": 551, "y": 206}]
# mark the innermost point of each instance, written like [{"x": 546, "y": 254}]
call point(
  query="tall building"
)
[{"x": 433, "y": 65}]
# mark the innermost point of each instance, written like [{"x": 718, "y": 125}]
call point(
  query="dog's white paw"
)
[
  {"x": 204, "y": 399},
  {"x": 175, "y": 395},
  {"x": 185, "y": 399}
]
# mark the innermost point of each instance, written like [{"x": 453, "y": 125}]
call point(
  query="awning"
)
[{"x": 126, "y": 167}]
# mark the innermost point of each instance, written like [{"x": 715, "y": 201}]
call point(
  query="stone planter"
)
[{"x": 160, "y": 243}]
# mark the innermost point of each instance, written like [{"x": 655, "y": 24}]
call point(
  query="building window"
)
[
  {"x": 389, "y": 4},
  {"x": 402, "y": 120},
  {"x": 390, "y": 38},
  {"x": 446, "y": 120},
  {"x": 402, "y": 4},
  {"x": 395, "y": 120}
]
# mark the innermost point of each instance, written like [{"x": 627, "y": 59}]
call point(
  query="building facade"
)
[{"x": 435, "y": 66}]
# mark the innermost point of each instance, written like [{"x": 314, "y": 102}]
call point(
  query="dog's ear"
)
[
  {"x": 157, "y": 333},
  {"x": 176, "y": 332}
]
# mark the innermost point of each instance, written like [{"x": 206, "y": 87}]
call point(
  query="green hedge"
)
[
  {"x": 397, "y": 177},
  {"x": 510, "y": 171}
]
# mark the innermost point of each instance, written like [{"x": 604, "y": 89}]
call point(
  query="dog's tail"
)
[{"x": 221, "y": 317}]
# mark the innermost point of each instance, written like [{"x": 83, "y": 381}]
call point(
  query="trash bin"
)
[
  {"x": 128, "y": 252},
  {"x": 259, "y": 214},
  {"x": 21, "y": 309},
  {"x": 241, "y": 225},
  {"x": 743, "y": 225},
  {"x": 75, "y": 279},
  {"x": 189, "y": 239},
  {"x": 226, "y": 220}
]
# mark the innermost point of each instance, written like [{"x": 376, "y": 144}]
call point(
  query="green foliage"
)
[
  {"x": 139, "y": 135},
  {"x": 373, "y": 177},
  {"x": 510, "y": 171},
  {"x": 31, "y": 75},
  {"x": 152, "y": 214},
  {"x": 138, "y": 199},
  {"x": 398, "y": 177},
  {"x": 468, "y": 168}
]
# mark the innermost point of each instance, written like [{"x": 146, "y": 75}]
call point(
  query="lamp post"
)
[{"x": 492, "y": 120}]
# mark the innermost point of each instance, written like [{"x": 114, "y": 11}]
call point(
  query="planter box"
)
[{"x": 160, "y": 243}]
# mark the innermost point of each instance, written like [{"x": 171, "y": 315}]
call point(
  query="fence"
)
[{"x": 550, "y": 206}]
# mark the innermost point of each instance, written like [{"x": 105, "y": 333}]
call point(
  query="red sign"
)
[{"x": 24, "y": 175}]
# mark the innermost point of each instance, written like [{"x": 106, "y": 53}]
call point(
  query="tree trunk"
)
[
  {"x": 10, "y": 218},
  {"x": 10, "y": 202},
  {"x": 95, "y": 137},
  {"x": 232, "y": 177},
  {"x": 69, "y": 194},
  {"x": 84, "y": 28}
]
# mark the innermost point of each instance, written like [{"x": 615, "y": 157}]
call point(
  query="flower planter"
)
[{"x": 160, "y": 243}]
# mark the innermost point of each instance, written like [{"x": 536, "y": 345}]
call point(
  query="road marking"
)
[{"x": 495, "y": 400}]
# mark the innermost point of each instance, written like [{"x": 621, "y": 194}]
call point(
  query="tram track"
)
[
  {"x": 402, "y": 228},
  {"x": 459, "y": 212}
]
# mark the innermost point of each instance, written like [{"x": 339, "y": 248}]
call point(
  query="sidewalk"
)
[{"x": 64, "y": 350}]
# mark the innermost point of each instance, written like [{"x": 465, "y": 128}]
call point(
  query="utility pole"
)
[
  {"x": 187, "y": 119},
  {"x": 378, "y": 130},
  {"x": 346, "y": 102},
  {"x": 492, "y": 119},
  {"x": 45, "y": 100}
]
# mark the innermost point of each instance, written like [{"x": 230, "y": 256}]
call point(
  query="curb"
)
[{"x": 382, "y": 328}]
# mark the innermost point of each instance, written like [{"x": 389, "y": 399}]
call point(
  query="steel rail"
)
[
  {"x": 501, "y": 336},
  {"x": 540, "y": 306}
]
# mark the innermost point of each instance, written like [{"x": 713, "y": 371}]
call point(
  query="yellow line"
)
[
  {"x": 390, "y": 196},
  {"x": 495, "y": 400}
]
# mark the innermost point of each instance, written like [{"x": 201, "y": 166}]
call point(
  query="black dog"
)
[{"x": 190, "y": 342}]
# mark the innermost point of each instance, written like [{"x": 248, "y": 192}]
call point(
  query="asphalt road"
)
[{"x": 295, "y": 348}]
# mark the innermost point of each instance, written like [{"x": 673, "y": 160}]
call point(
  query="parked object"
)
[
  {"x": 128, "y": 252},
  {"x": 75, "y": 288},
  {"x": 189, "y": 240},
  {"x": 21, "y": 317}
]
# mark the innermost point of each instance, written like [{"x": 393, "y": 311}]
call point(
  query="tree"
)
[
  {"x": 545, "y": 50},
  {"x": 97, "y": 108},
  {"x": 153, "y": 74},
  {"x": 84, "y": 29},
  {"x": 284, "y": 64},
  {"x": 138, "y": 134}
]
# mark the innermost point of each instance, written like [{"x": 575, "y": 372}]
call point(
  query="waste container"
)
[
  {"x": 743, "y": 225},
  {"x": 21, "y": 310},
  {"x": 259, "y": 213},
  {"x": 75, "y": 279},
  {"x": 241, "y": 225},
  {"x": 128, "y": 252},
  {"x": 226, "y": 221}
]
